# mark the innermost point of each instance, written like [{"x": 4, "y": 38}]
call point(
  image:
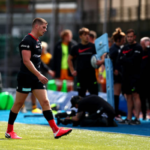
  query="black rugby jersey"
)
[
  {"x": 83, "y": 54},
  {"x": 130, "y": 58},
  {"x": 32, "y": 44},
  {"x": 92, "y": 103},
  {"x": 114, "y": 52}
]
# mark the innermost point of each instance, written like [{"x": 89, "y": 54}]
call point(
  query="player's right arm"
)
[
  {"x": 26, "y": 55},
  {"x": 77, "y": 117}
]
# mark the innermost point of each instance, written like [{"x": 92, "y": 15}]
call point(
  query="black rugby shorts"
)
[{"x": 27, "y": 84}]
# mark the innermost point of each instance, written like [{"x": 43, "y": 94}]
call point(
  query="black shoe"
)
[
  {"x": 126, "y": 121},
  {"x": 135, "y": 122}
]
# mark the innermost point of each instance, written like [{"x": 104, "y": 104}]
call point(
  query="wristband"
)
[{"x": 70, "y": 118}]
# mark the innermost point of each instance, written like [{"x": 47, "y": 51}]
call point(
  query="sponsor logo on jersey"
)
[
  {"x": 37, "y": 56},
  {"x": 126, "y": 51},
  {"x": 145, "y": 57},
  {"x": 137, "y": 51},
  {"x": 26, "y": 89},
  {"x": 27, "y": 46},
  {"x": 83, "y": 50}
]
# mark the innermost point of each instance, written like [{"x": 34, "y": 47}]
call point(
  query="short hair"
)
[
  {"x": 83, "y": 30},
  {"x": 39, "y": 21},
  {"x": 118, "y": 34},
  {"x": 93, "y": 34},
  {"x": 65, "y": 32},
  {"x": 74, "y": 100},
  {"x": 130, "y": 31},
  {"x": 145, "y": 39}
]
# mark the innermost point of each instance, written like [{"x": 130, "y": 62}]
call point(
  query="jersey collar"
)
[{"x": 33, "y": 36}]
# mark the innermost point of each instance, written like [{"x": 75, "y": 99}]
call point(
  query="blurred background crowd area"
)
[{"x": 101, "y": 16}]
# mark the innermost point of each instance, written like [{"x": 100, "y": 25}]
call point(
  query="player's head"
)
[
  {"x": 93, "y": 36},
  {"x": 84, "y": 35},
  {"x": 119, "y": 37},
  {"x": 39, "y": 25},
  {"x": 143, "y": 41},
  {"x": 131, "y": 36},
  {"x": 66, "y": 35},
  {"x": 74, "y": 101},
  {"x": 44, "y": 47}
]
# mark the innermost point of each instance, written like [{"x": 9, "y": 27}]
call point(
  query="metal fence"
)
[{"x": 16, "y": 23}]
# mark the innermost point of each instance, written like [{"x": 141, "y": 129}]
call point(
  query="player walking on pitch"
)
[{"x": 31, "y": 80}]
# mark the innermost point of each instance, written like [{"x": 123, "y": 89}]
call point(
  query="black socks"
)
[
  {"x": 48, "y": 115},
  {"x": 12, "y": 117}
]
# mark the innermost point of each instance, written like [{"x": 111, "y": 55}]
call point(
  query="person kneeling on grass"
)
[{"x": 92, "y": 111}]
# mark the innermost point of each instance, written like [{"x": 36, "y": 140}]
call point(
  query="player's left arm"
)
[{"x": 77, "y": 117}]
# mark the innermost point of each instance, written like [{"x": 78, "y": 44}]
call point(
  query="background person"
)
[
  {"x": 31, "y": 80},
  {"x": 100, "y": 112},
  {"x": 130, "y": 58},
  {"x": 46, "y": 58},
  {"x": 86, "y": 77},
  {"x": 93, "y": 36},
  {"x": 119, "y": 39},
  {"x": 144, "y": 78},
  {"x": 59, "y": 64}
]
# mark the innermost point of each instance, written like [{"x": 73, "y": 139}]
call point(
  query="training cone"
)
[
  {"x": 64, "y": 86},
  {"x": 6, "y": 101},
  {"x": 51, "y": 85}
]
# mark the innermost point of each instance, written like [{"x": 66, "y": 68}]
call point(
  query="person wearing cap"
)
[{"x": 92, "y": 111}]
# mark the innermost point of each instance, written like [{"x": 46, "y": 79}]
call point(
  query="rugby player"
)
[{"x": 31, "y": 80}]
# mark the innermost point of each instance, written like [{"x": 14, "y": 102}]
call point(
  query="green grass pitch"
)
[{"x": 36, "y": 137}]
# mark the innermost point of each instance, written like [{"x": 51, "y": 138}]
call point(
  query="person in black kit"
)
[
  {"x": 86, "y": 78},
  {"x": 119, "y": 40},
  {"x": 100, "y": 112},
  {"x": 130, "y": 58},
  {"x": 144, "y": 79},
  {"x": 31, "y": 80}
]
